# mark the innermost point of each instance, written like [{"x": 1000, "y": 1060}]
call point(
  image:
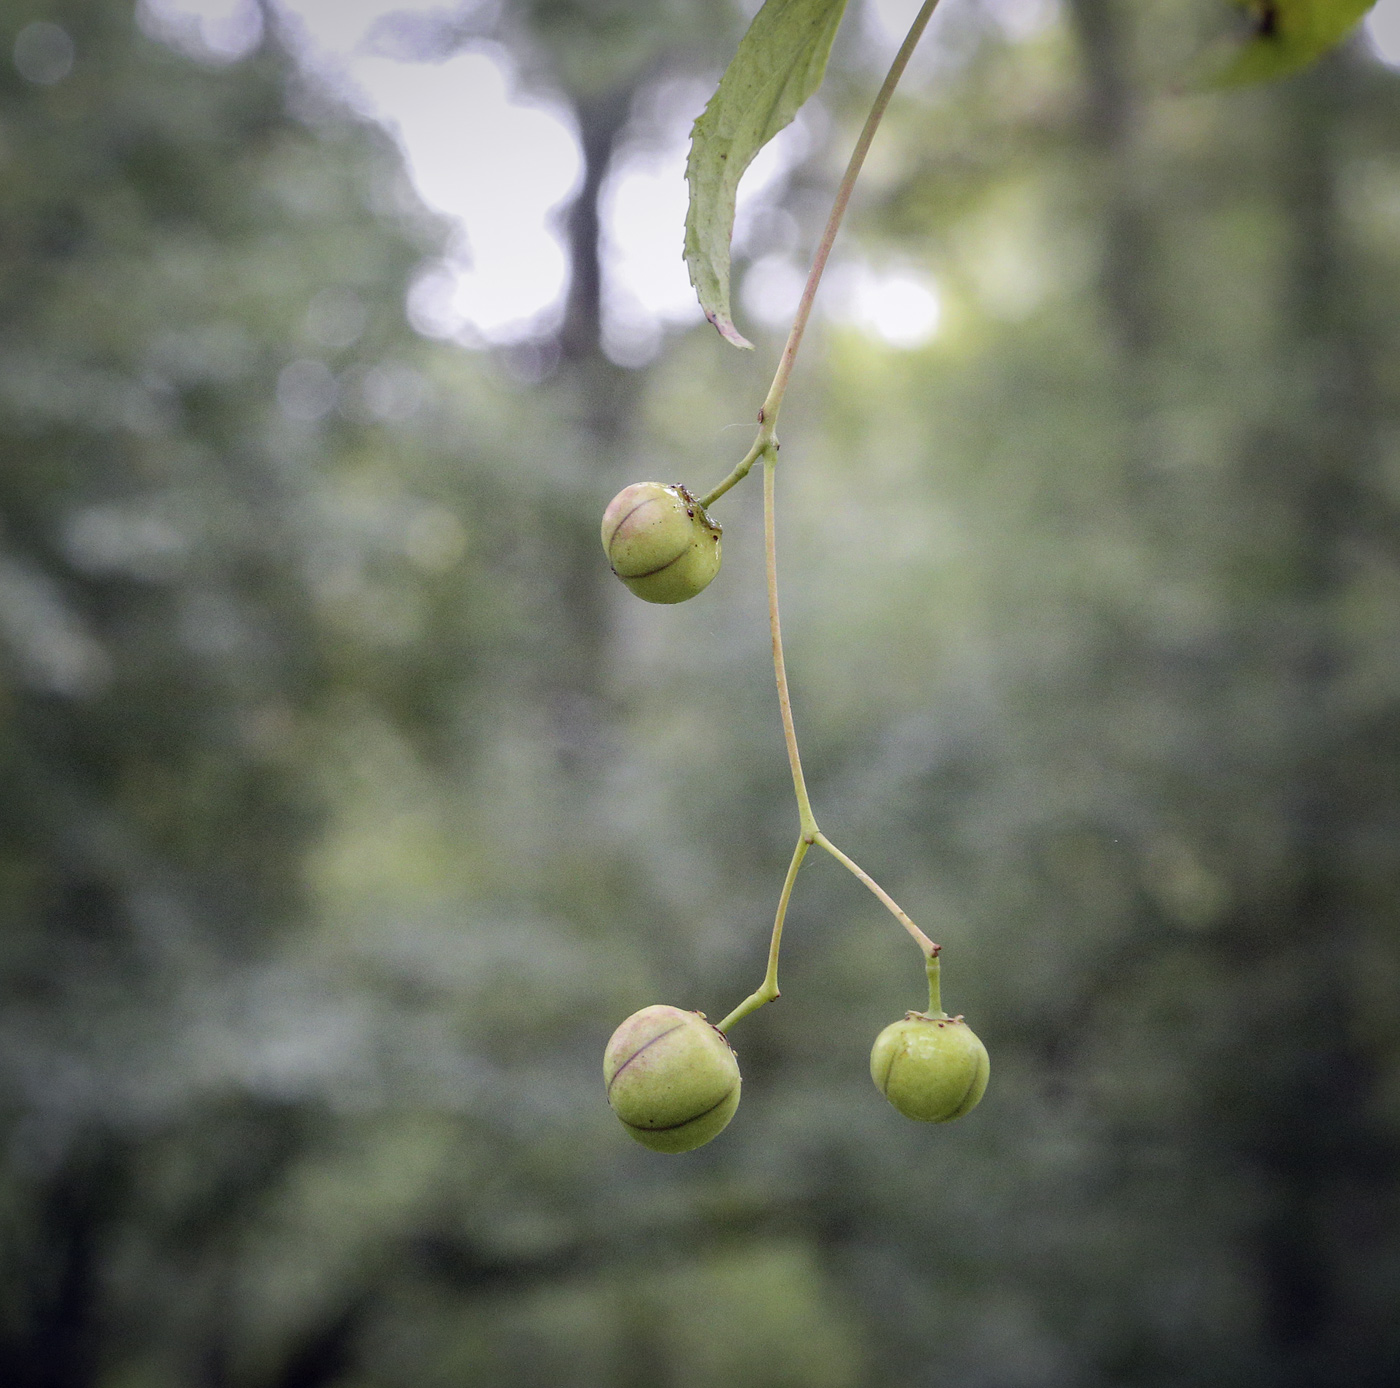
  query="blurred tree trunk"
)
[
  {"x": 1297, "y": 1092},
  {"x": 61, "y": 1306},
  {"x": 1111, "y": 115},
  {"x": 604, "y": 401},
  {"x": 1313, "y": 1134},
  {"x": 600, "y": 121}
]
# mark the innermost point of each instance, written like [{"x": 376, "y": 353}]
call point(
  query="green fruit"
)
[
  {"x": 660, "y": 541},
  {"x": 672, "y": 1078},
  {"x": 932, "y": 1068}
]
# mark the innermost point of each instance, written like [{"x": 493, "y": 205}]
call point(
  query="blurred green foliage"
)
[
  {"x": 1278, "y": 37},
  {"x": 348, "y": 802}
]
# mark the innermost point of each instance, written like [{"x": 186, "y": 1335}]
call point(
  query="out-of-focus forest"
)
[{"x": 348, "y": 802}]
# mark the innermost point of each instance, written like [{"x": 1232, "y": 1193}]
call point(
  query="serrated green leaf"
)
[
  {"x": 779, "y": 64},
  {"x": 1284, "y": 36}
]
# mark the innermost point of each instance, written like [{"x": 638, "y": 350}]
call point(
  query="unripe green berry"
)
[
  {"x": 672, "y": 1078},
  {"x": 932, "y": 1068},
  {"x": 660, "y": 541}
]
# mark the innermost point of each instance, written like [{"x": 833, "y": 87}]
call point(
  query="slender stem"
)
[
  {"x": 762, "y": 441},
  {"x": 765, "y": 446},
  {"x": 768, "y": 989},
  {"x": 935, "y": 1000},
  {"x": 924, "y": 943},
  {"x": 768, "y": 415},
  {"x": 805, "y": 817}
]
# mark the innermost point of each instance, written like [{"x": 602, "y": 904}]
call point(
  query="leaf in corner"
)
[
  {"x": 1282, "y": 37},
  {"x": 779, "y": 64}
]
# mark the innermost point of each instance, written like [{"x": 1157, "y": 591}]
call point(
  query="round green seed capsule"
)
[
  {"x": 660, "y": 541},
  {"x": 933, "y": 1069},
  {"x": 672, "y": 1078}
]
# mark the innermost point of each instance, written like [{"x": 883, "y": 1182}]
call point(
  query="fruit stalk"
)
[
  {"x": 929, "y": 949},
  {"x": 644, "y": 561},
  {"x": 799, "y": 783},
  {"x": 935, "y": 991},
  {"x": 767, "y": 991}
]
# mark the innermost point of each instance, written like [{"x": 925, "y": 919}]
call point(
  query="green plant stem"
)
[
  {"x": 929, "y": 949},
  {"x": 767, "y": 438},
  {"x": 810, "y": 832},
  {"x": 765, "y": 446},
  {"x": 764, "y": 440},
  {"x": 768, "y": 989},
  {"x": 935, "y": 1000}
]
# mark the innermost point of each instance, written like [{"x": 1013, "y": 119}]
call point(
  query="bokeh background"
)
[{"x": 348, "y": 802}]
